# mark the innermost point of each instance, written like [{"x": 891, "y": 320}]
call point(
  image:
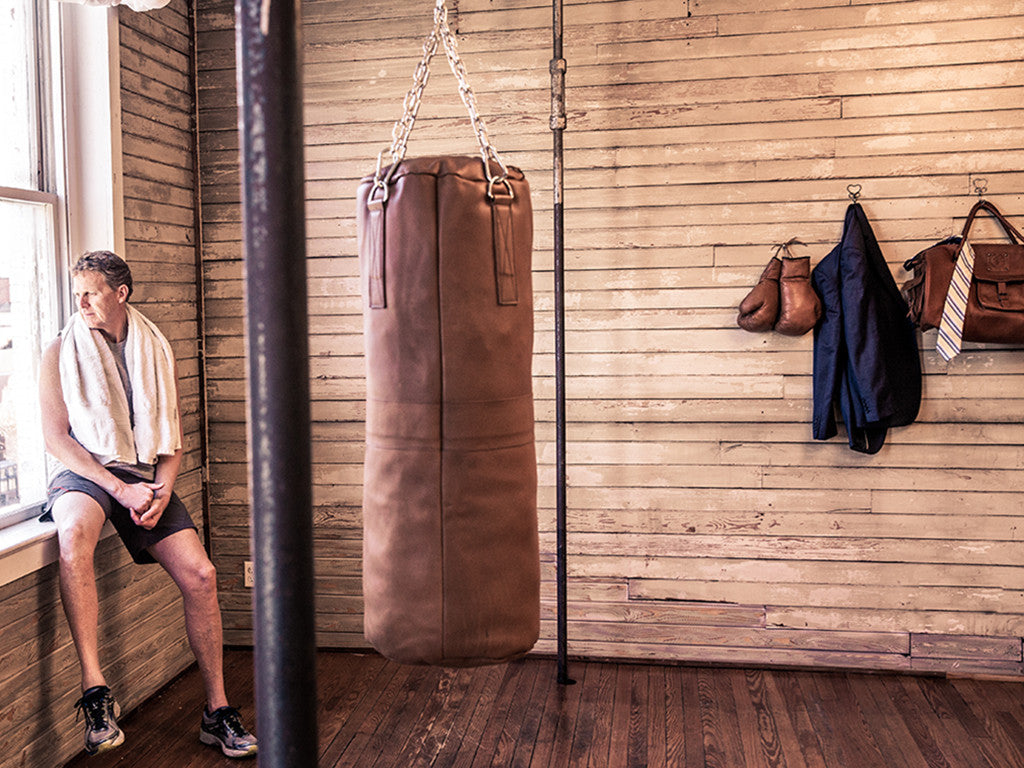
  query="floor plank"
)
[
  {"x": 472, "y": 714},
  {"x": 374, "y": 713},
  {"x": 558, "y": 727}
]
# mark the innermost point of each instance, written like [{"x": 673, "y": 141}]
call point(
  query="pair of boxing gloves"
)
[{"x": 783, "y": 299}]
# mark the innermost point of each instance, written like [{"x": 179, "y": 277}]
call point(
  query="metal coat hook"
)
[
  {"x": 853, "y": 190},
  {"x": 786, "y": 246},
  {"x": 980, "y": 187}
]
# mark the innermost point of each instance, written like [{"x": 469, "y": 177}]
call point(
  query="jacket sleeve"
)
[{"x": 829, "y": 353}]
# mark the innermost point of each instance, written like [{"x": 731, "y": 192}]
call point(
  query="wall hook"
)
[
  {"x": 853, "y": 190},
  {"x": 786, "y": 246},
  {"x": 980, "y": 187}
]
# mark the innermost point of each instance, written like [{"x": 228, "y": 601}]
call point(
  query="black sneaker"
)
[
  {"x": 223, "y": 728},
  {"x": 100, "y": 712}
]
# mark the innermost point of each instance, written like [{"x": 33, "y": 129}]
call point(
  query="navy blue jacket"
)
[{"x": 866, "y": 359}]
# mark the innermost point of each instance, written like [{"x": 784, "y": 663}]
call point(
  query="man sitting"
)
[{"x": 109, "y": 395}]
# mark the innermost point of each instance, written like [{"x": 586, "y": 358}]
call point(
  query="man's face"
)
[{"x": 100, "y": 306}]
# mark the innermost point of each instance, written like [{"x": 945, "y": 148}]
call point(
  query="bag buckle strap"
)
[
  {"x": 376, "y": 289},
  {"x": 504, "y": 244}
]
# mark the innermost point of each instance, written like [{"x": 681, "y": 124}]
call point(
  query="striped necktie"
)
[{"x": 951, "y": 327}]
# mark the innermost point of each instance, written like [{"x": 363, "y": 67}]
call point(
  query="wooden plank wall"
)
[
  {"x": 142, "y": 631},
  {"x": 705, "y": 523}
]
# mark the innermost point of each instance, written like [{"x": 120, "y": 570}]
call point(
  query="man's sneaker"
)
[
  {"x": 100, "y": 712},
  {"x": 223, "y": 728}
]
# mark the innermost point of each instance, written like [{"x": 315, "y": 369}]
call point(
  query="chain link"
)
[{"x": 441, "y": 33}]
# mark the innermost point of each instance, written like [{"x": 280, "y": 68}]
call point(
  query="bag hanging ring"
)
[{"x": 441, "y": 32}]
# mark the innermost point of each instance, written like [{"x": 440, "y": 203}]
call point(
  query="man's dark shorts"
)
[{"x": 137, "y": 539}]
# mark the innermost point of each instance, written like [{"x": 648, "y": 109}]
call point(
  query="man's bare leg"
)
[
  {"x": 79, "y": 520},
  {"x": 184, "y": 558}
]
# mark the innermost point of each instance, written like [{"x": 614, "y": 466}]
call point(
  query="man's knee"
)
[
  {"x": 79, "y": 520},
  {"x": 206, "y": 576},
  {"x": 200, "y": 578},
  {"x": 184, "y": 558}
]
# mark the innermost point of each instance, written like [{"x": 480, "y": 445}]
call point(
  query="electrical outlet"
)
[{"x": 249, "y": 574}]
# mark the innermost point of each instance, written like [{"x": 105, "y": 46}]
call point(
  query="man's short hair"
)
[{"x": 113, "y": 268}]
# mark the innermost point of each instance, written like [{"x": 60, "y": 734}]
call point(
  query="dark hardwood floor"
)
[{"x": 377, "y": 714}]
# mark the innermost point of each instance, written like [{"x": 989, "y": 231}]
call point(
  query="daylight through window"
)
[{"x": 29, "y": 260}]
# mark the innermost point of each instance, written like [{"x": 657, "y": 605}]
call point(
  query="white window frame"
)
[
  {"x": 92, "y": 169},
  {"x": 88, "y": 202}
]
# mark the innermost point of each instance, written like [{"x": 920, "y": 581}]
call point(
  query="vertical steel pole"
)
[
  {"x": 558, "y": 122},
  {"x": 280, "y": 476}
]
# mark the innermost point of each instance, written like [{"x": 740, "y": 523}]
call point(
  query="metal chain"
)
[
  {"x": 451, "y": 49},
  {"x": 410, "y": 106}
]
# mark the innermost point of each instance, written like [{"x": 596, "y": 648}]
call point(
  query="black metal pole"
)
[
  {"x": 558, "y": 121},
  {"x": 280, "y": 476}
]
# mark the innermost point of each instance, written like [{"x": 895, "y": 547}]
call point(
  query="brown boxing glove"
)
[
  {"x": 760, "y": 308},
  {"x": 799, "y": 305}
]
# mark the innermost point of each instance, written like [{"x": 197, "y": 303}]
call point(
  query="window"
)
[
  {"x": 60, "y": 194},
  {"x": 32, "y": 255}
]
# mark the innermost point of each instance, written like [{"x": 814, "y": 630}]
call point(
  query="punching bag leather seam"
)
[{"x": 442, "y": 543}]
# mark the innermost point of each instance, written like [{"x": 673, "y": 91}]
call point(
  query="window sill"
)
[{"x": 29, "y": 546}]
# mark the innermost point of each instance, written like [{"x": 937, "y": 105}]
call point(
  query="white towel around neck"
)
[{"x": 96, "y": 401}]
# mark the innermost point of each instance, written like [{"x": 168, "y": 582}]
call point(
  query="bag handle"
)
[
  {"x": 441, "y": 33},
  {"x": 1015, "y": 237}
]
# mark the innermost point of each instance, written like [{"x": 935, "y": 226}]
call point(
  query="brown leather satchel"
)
[
  {"x": 995, "y": 304},
  {"x": 451, "y": 564}
]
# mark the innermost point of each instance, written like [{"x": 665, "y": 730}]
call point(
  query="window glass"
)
[
  {"x": 27, "y": 318},
  {"x": 30, "y": 256},
  {"x": 19, "y": 113}
]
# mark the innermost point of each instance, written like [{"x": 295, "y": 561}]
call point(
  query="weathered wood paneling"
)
[
  {"x": 160, "y": 189},
  {"x": 142, "y": 633},
  {"x": 705, "y": 524}
]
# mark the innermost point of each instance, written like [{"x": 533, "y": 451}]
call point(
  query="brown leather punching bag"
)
[{"x": 450, "y": 551}]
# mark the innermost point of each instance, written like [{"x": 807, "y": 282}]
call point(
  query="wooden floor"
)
[{"x": 377, "y": 714}]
